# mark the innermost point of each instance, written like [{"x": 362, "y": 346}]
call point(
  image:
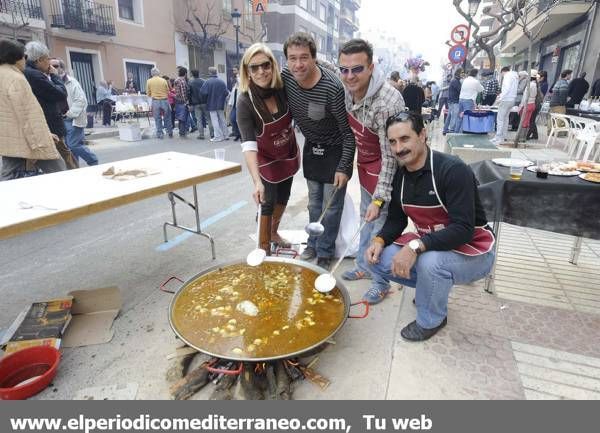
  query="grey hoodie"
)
[{"x": 380, "y": 102}]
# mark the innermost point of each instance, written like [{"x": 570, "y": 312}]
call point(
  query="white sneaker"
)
[{"x": 216, "y": 140}]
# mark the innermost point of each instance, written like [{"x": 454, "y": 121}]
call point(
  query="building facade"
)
[
  {"x": 197, "y": 50},
  {"x": 101, "y": 40},
  {"x": 568, "y": 38}
]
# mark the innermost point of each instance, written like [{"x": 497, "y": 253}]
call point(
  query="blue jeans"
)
[
  {"x": 75, "y": 139},
  {"x": 157, "y": 105},
  {"x": 235, "y": 130},
  {"x": 370, "y": 229},
  {"x": 183, "y": 116},
  {"x": 464, "y": 105},
  {"x": 449, "y": 123},
  {"x": 433, "y": 275},
  {"x": 318, "y": 196}
]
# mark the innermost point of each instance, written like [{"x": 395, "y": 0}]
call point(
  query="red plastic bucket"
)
[{"x": 27, "y": 372}]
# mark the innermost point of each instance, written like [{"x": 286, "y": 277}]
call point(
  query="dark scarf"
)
[{"x": 259, "y": 95}]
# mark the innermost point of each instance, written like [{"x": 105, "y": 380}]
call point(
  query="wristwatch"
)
[
  {"x": 415, "y": 245},
  {"x": 378, "y": 202}
]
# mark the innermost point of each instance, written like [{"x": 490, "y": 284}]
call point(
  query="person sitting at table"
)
[
  {"x": 268, "y": 139},
  {"x": 24, "y": 133},
  {"x": 452, "y": 243}
]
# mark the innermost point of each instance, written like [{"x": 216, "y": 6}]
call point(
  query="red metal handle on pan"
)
[
  {"x": 286, "y": 252},
  {"x": 236, "y": 372},
  {"x": 366, "y": 313},
  {"x": 171, "y": 278}
]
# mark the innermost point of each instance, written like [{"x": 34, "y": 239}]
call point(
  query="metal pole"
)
[
  {"x": 467, "y": 49},
  {"x": 237, "y": 45}
]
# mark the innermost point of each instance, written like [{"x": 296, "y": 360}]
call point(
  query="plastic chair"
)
[
  {"x": 559, "y": 123},
  {"x": 586, "y": 142}
]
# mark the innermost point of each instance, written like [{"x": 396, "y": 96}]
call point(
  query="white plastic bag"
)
[{"x": 349, "y": 224}]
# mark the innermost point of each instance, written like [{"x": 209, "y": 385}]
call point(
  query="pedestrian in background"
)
[
  {"x": 50, "y": 92},
  {"x": 467, "y": 98},
  {"x": 560, "y": 95},
  {"x": 505, "y": 101},
  {"x": 198, "y": 103},
  {"x": 451, "y": 121},
  {"x": 76, "y": 116},
  {"x": 215, "y": 91},
  {"x": 24, "y": 133},
  {"x": 157, "y": 88},
  {"x": 232, "y": 103},
  {"x": 414, "y": 96},
  {"x": 577, "y": 90},
  {"x": 182, "y": 102},
  {"x": 103, "y": 95},
  {"x": 491, "y": 88}
]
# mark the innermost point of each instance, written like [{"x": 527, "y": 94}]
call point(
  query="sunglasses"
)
[
  {"x": 355, "y": 70},
  {"x": 266, "y": 66}
]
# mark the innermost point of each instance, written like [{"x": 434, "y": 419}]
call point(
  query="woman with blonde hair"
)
[{"x": 268, "y": 139}]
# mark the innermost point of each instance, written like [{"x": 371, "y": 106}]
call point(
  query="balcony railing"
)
[
  {"x": 22, "y": 8},
  {"x": 84, "y": 15}
]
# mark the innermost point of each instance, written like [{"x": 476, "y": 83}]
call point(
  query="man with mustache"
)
[{"x": 452, "y": 244}]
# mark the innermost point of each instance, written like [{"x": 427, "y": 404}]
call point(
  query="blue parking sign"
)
[{"x": 457, "y": 54}]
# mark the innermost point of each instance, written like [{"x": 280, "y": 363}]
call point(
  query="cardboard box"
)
[
  {"x": 93, "y": 314},
  {"x": 82, "y": 319}
]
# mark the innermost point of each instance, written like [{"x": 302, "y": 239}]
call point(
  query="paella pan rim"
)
[{"x": 294, "y": 262}]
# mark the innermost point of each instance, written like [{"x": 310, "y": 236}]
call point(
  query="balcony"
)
[
  {"x": 353, "y": 4},
  {"x": 349, "y": 20},
  {"x": 83, "y": 15},
  {"x": 22, "y": 8}
]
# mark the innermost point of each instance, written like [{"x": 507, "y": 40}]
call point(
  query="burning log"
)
[{"x": 256, "y": 381}]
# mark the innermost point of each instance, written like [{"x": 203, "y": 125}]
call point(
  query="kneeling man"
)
[{"x": 453, "y": 243}]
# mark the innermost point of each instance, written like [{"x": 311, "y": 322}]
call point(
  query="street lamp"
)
[
  {"x": 235, "y": 16},
  {"x": 473, "y": 6}
]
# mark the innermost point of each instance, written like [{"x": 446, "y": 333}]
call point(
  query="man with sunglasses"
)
[
  {"x": 370, "y": 100},
  {"x": 452, "y": 243},
  {"x": 316, "y": 100}
]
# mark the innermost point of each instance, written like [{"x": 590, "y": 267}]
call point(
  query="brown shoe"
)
[{"x": 277, "y": 215}]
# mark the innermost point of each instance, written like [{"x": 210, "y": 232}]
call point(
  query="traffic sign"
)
[
  {"x": 460, "y": 34},
  {"x": 457, "y": 54},
  {"x": 259, "y": 6}
]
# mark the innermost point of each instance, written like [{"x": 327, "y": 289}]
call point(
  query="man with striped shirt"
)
[{"x": 316, "y": 100}]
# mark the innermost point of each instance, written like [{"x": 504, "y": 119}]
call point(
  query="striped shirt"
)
[{"x": 320, "y": 112}]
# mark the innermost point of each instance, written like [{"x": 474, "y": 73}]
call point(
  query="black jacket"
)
[
  {"x": 195, "y": 97},
  {"x": 51, "y": 94},
  {"x": 577, "y": 90},
  {"x": 414, "y": 97}
]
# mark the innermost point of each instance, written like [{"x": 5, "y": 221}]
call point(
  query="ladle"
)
[
  {"x": 326, "y": 282},
  {"x": 257, "y": 255},
  {"x": 316, "y": 228}
]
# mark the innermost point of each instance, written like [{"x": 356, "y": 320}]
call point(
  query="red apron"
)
[
  {"x": 428, "y": 219},
  {"x": 278, "y": 154},
  {"x": 368, "y": 154}
]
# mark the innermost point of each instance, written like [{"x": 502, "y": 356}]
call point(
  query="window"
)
[
  {"x": 227, "y": 8},
  {"x": 322, "y": 12},
  {"x": 131, "y": 11},
  {"x": 304, "y": 4},
  {"x": 126, "y": 10},
  {"x": 322, "y": 44},
  {"x": 248, "y": 16},
  {"x": 313, "y": 5},
  {"x": 141, "y": 73}
]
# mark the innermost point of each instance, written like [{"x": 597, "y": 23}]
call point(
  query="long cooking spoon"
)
[
  {"x": 326, "y": 282},
  {"x": 316, "y": 228},
  {"x": 257, "y": 255}
]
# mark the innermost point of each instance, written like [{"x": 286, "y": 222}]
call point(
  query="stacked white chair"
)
[{"x": 559, "y": 123}]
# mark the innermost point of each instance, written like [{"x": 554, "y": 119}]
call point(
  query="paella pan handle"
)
[
  {"x": 286, "y": 252},
  {"x": 226, "y": 372},
  {"x": 365, "y": 314},
  {"x": 163, "y": 286}
]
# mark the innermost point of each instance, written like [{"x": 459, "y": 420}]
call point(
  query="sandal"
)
[{"x": 355, "y": 274}]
